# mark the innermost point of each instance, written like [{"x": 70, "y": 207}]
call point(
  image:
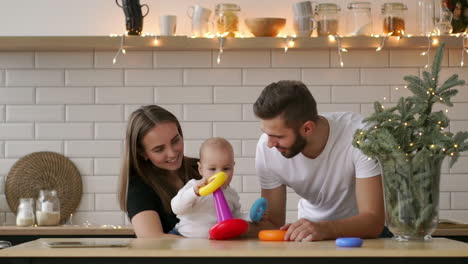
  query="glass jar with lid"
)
[
  {"x": 359, "y": 19},
  {"x": 394, "y": 18},
  {"x": 25, "y": 212},
  {"x": 48, "y": 208},
  {"x": 227, "y": 19},
  {"x": 327, "y": 19}
]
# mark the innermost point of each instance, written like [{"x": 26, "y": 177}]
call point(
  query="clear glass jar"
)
[
  {"x": 359, "y": 19},
  {"x": 48, "y": 208},
  {"x": 25, "y": 212},
  {"x": 443, "y": 19},
  {"x": 227, "y": 19},
  {"x": 327, "y": 19},
  {"x": 394, "y": 18}
]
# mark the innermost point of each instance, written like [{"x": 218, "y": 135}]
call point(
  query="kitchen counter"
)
[
  {"x": 439, "y": 250},
  {"x": 70, "y": 230}
]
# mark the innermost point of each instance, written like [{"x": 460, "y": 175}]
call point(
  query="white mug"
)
[
  {"x": 304, "y": 26},
  {"x": 200, "y": 17},
  {"x": 167, "y": 25},
  {"x": 302, "y": 9}
]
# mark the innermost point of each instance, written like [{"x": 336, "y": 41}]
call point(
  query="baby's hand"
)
[{"x": 198, "y": 184}]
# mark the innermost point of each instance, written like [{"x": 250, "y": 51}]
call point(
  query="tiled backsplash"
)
[{"x": 77, "y": 104}]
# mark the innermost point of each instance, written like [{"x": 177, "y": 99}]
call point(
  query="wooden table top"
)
[
  {"x": 438, "y": 247},
  {"x": 442, "y": 230}
]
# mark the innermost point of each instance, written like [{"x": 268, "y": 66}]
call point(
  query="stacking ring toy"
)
[
  {"x": 257, "y": 209},
  {"x": 227, "y": 227},
  {"x": 348, "y": 242},
  {"x": 214, "y": 182},
  {"x": 272, "y": 235}
]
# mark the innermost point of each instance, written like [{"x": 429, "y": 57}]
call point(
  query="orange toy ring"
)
[{"x": 272, "y": 235}]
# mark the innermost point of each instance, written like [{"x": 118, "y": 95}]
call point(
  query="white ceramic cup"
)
[
  {"x": 200, "y": 17},
  {"x": 304, "y": 26},
  {"x": 303, "y": 9},
  {"x": 167, "y": 25}
]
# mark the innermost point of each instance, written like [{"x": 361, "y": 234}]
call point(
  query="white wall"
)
[
  {"x": 77, "y": 104},
  {"x": 102, "y": 17}
]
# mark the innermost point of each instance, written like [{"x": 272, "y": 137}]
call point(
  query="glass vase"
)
[{"x": 411, "y": 194}]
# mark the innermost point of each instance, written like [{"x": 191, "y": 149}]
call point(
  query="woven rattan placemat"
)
[{"x": 45, "y": 170}]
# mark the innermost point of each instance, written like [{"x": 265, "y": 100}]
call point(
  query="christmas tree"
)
[{"x": 410, "y": 141}]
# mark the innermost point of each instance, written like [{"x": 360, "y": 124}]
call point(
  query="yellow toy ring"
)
[{"x": 214, "y": 182}]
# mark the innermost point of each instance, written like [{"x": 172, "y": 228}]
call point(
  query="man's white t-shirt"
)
[{"x": 325, "y": 184}]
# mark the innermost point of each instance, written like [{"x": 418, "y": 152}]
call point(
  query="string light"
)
[
  {"x": 465, "y": 49},
  {"x": 121, "y": 49},
  {"x": 426, "y": 53},
  {"x": 340, "y": 49},
  {"x": 156, "y": 41},
  {"x": 221, "y": 41},
  {"x": 382, "y": 43},
  {"x": 289, "y": 43}
]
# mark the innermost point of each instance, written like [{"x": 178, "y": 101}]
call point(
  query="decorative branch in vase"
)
[{"x": 410, "y": 141}]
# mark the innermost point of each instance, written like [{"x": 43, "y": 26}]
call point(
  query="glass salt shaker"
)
[
  {"x": 394, "y": 18},
  {"x": 48, "y": 208},
  {"x": 359, "y": 19},
  {"x": 327, "y": 19},
  {"x": 227, "y": 19},
  {"x": 25, "y": 212}
]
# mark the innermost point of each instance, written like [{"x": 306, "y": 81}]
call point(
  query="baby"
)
[{"x": 197, "y": 213}]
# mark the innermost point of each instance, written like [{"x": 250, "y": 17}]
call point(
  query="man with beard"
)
[{"x": 340, "y": 188}]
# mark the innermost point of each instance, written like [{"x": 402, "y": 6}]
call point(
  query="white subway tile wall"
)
[{"x": 78, "y": 103}]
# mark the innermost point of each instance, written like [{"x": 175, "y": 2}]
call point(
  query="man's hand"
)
[{"x": 305, "y": 230}]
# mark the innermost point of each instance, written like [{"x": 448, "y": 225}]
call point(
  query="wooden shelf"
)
[
  {"x": 80, "y": 43},
  {"x": 69, "y": 230}
]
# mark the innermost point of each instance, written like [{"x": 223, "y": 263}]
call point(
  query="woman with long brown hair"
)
[{"x": 154, "y": 168}]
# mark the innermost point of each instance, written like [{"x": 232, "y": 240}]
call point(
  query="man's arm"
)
[
  {"x": 276, "y": 199},
  {"x": 367, "y": 224}
]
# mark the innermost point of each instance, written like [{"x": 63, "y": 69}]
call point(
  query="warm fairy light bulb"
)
[
  {"x": 286, "y": 48},
  {"x": 114, "y": 61},
  {"x": 396, "y": 88},
  {"x": 446, "y": 110},
  {"x": 156, "y": 41},
  {"x": 432, "y": 146},
  {"x": 124, "y": 51},
  {"x": 455, "y": 146},
  {"x": 411, "y": 144},
  {"x": 451, "y": 154},
  {"x": 405, "y": 124},
  {"x": 341, "y": 64},
  {"x": 331, "y": 38},
  {"x": 389, "y": 120},
  {"x": 423, "y": 53},
  {"x": 435, "y": 41},
  {"x": 344, "y": 50},
  {"x": 378, "y": 49},
  {"x": 291, "y": 43}
]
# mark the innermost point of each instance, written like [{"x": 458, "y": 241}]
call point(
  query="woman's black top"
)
[{"x": 142, "y": 197}]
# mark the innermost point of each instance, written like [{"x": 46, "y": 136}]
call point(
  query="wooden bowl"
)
[{"x": 265, "y": 26}]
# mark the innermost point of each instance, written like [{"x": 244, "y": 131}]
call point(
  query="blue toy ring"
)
[
  {"x": 348, "y": 242},
  {"x": 257, "y": 209}
]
